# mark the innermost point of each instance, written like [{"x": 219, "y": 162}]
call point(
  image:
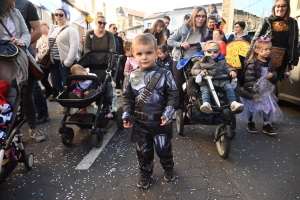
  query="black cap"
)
[{"x": 187, "y": 16}]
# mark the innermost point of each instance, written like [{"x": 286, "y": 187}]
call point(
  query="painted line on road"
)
[{"x": 94, "y": 153}]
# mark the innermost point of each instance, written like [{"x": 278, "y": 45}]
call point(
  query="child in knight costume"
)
[{"x": 150, "y": 97}]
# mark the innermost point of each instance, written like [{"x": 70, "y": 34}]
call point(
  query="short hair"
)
[
  {"x": 63, "y": 11},
  {"x": 211, "y": 42},
  {"x": 144, "y": 39},
  {"x": 211, "y": 18},
  {"x": 163, "y": 48},
  {"x": 127, "y": 45},
  {"x": 166, "y": 17},
  {"x": 76, "y": 67},
  {"x": 111, "y": 25},
  {"x": 242, "y": 24}
]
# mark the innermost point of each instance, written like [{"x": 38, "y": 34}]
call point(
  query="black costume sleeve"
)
[{"x": 128, "y": 101}]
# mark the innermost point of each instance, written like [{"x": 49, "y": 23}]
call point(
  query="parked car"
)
[{"x": 287, "y": 91}]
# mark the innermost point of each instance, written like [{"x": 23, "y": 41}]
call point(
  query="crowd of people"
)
[{"x": 149, "y": 55}]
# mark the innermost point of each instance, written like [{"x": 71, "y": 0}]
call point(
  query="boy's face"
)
[
  {"x": 211, "y": 50},
  {"x": 144, "y": 55}
]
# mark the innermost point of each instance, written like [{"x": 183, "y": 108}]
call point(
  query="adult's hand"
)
[
  {"x": 186, "y": 45},
  {"x": 17, "y": 41}
]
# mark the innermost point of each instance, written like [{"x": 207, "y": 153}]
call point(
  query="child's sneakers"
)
[
  {"x": 251, "y": 127},
  {"x": 206, "y": 108},
  {"x": 169, "y": 175},
  {"x": 73, "y": 95},
  {"x": 268, "y": 129},
  {"x": 144, "y": 181},
  {"x": 234, "y": 106}
]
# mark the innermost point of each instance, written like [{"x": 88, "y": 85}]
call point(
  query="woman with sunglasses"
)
[
  {"x": 283, "y": 30},
  {"x": 64, "y": 51},
  {"x": 194, "y": 31},
  {"x": 158, "y": 31},
  {"x": 99, "y": 39}
]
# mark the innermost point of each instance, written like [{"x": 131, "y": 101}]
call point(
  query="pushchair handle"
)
[{"x": 219, "y": 77}]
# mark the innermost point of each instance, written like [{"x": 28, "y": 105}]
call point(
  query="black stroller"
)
[
  {"x": 12, "y": 150},
  {"x": 100, "y": 63},
  {"x": 189, "y": 112}
]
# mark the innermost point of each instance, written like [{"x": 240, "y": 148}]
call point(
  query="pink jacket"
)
[{"x": 130, "y": 65}]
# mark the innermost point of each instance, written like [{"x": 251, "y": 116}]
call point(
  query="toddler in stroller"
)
[
  {"x": 212, "y": 63},
  {"x": 83, "y": 90},
  {"x": 12, "y": 150},
  {"x": 222, "y": 110}
]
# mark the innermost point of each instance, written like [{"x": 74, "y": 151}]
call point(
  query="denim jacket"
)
[{"x": 180, "y": 36}]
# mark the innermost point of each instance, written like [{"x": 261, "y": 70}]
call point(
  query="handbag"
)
[
  {"x": 45, "y": 59},
  {"x": 36, "y": 71},
  {"x": 277, "y": 55},
  {"x": 8, "y": 49}
]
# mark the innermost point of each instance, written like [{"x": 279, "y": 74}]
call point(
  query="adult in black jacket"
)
[
  {"x": 284, "y": 33},
  {"x": 118, "y": 40},
  {"x": 239, "y": 32}
]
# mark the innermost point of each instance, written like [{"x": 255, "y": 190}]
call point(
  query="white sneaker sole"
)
[
  {"x": 206, "y": 110},
  {"x": 269, "y": 133}
]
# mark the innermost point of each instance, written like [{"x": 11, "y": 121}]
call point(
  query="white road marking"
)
[{"x": 93, "y": 154}]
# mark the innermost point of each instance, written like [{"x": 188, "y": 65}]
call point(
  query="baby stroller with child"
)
[
  {"x": 12, "y": 150},
  {"x": 189, "y": 112},
  {"x": 94, "y": 118}
]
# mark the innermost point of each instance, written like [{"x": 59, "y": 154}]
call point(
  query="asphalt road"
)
[{"x": 258, "y": 167}]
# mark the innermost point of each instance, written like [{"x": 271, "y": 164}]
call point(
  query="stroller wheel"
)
[
  {"x": 29, "y": 161},
  {"x": 179, "y": 122},
  {"x": 67, "y": 137},
  {"x": 222, "y": 141},
  {"x": 97, "y": 138},
  {"x": 119, "y": 119}
]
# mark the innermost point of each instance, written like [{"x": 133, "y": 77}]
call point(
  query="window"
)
[
  {"x": 174, "y": 21},
  {"x": 149, "y": 25}
]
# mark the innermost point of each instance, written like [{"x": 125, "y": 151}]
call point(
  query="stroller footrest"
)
[{"x": 81, "y": 119}]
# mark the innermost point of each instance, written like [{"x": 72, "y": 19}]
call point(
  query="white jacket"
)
[{"x": 68, "y": 44}]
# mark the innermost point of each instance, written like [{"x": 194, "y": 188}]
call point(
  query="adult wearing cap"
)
[{"x": 186, "y": 18}]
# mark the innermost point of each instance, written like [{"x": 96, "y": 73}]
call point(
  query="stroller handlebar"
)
[{"x": 218, "y": 77}]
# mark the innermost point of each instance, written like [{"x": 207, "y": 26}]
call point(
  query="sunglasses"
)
[
  {"x": 115, "y": 28},
  {"x": 200, "y": 16},
  {"x": 212, "y": 50},
  {"x": 100, "y": 23},
  {"x": 59, "y": 14}
]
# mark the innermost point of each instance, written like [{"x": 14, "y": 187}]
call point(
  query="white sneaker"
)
[
  {"x": 236, "y": 106},
  {"x": 206, "y": 108}
]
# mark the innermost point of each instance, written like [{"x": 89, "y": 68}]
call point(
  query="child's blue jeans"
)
[{"x": 226, "y": 88}]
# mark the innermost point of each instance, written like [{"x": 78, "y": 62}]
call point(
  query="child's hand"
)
[
  {"x": 233, "y": 74},
  {"x": 203, "y": 72},
  {"x": 164, "y": 121},
  {"x": 255, "y": 96},
  {"x": 127, "y": 124},
  {"x": 85, "y": 93},
  {"x": 269, "y": 75}
]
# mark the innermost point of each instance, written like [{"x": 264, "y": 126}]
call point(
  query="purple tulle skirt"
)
[{"x": 266, "y": 109}]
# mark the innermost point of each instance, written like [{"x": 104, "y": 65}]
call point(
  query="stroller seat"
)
[{"x": 64, "y": 100}]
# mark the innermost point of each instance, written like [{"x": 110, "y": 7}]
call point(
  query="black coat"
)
[{"x": 253, "y": 73}]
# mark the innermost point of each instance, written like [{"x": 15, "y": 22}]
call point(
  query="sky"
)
[
  {"x": 153, "y": 6},
  {"x": 261, "y": 8}
]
